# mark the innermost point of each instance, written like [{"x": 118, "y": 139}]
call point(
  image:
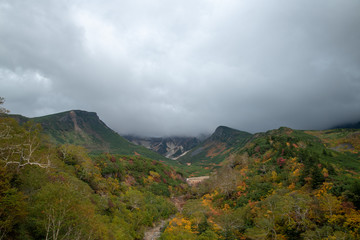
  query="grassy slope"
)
[
  {"x": 273, "y": 178},
  {"x": 92, "y": 134},
  {"x": 328, "y": 145},
  {"x": 210, "y": 154},
  {"x": 109, "y": 196},
  {"x": 344, "y": 145}
]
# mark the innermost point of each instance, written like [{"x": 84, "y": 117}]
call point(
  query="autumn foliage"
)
[{"x": 284, "y": 184}]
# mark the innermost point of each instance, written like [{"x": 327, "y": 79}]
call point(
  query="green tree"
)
[
  {"x": 208, "y": 235},
  {"x": 12, "y": 204},
  {"x": 197, "y": 213},
  {"x": 59, "y": 211},
  {"x": 233, "y": 223}
]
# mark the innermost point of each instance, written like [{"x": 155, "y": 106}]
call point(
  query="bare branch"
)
[{"x": 20, "y": 145}]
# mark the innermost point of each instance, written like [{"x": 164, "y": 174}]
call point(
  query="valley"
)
[
  {"x": 180, "y": 120},
  {"x": 278, "y": 184},
  {"x": 169, "y": 147}
]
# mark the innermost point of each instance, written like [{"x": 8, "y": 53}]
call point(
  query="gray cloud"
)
[{"x": 184, "y": 67}]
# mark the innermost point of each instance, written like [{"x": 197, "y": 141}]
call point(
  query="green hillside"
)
[
  {"x": 213, "y": 151},
  {"x": 60, "y": 192},
  {"x": 283, "y": 184},
  {"x": 86, "y": 129}
]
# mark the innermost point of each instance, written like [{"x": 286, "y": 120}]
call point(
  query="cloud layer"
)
[{"x": 184, "y": 67}]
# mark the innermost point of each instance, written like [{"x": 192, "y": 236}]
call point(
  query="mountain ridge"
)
[
  {"x": 210, "y": 153},
  {"x": 86, "y": 129}
]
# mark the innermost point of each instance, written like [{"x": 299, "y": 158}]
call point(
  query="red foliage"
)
[
  {"x": 281, "y": 161},
  {"x": 168, "y": 173}
]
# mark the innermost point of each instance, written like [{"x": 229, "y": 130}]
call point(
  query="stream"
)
[{"x": 155, "y": 232}]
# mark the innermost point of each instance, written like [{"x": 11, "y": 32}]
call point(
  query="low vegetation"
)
[
  {"x": 61, "y": 192},
  {"x": 282, "y": 184},
  {"x": 210, "y": 154}
]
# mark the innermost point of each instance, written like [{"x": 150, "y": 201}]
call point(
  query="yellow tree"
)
[{"x": 60, "y": 211}]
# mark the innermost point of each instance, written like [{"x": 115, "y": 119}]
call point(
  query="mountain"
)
[
  {"x": 340, "y": 140},
  {"x": 211, "y": 152},
  {"x": 170, "y": 147},
  {"x": 68, "y": 194},
  {"x": 280, "y": 184},
  {"x": 86, "y": 129},
  {"x": 283, "y": 184}
]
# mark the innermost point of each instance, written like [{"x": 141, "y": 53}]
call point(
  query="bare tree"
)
[
  {"x": 3, "y": 110},
  {"x": 20, "y": 145}
]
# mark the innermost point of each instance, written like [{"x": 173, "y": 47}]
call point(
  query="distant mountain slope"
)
[
  {"x": 217, "y": 147},
  {"x": 340, "y": 140},
  {"x": 170, "y": 147},
  {"x": 290, "y": 181},
  {"x": 86, "y": 129}
]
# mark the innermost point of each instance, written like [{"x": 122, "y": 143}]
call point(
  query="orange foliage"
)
[
  {"x": 179, "y": 223},
  {"x": 216, "y": 150}
]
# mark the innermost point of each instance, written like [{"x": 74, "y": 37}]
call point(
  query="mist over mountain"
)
[
  {"x": 202, "y": 120},
  {"x": 174, "y": 69},
  {"x": 211, "y": 153},
  {"x": 85, "y": 129},
  {"x": 355, "y": 125},
  {"x": 170, "y": 147},
  {"x": 270, "y": 179}
]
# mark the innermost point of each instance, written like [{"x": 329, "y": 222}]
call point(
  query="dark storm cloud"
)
[{"x": 184, "y": 67}]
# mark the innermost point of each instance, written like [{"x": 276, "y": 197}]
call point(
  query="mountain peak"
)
[
  {"x": 83, "y": 112},
  {"x": 86, "y": 129},
  {"x": 217, "y": 147},
  {"x": 78, "y": 114},
  {"x": 78, "y": 120},
  {"x": 224, "y": 134},
  {"x": 224, "y": 129}
]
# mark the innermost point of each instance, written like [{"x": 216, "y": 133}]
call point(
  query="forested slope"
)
[
  {"x": 85, "y": 129},
  {"x": 281, "y": 184},
  {"x": 60, "y": 192},
  {"x": 284, "y": 184},
  {"x": 210, "y": 154}
]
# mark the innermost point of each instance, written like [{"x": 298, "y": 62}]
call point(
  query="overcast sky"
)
[{"x": 184, "y": 67}]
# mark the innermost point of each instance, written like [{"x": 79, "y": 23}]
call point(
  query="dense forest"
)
[
  {"x": 62, "y": 192},
  {"x": 282, "y": 184}
]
